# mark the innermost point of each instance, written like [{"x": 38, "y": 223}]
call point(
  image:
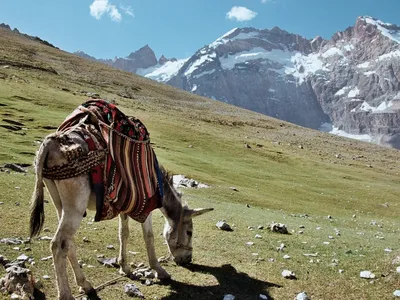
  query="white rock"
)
[
  {"x": 281, "y": 247},
  {"x": 262, "y": 296},
  {"x": 258, "y": 236},
  {"x": 302, "y": 296},
  {"x": 110, "y": 247},
  {"x": 341, "y": 271},
  {"x": 398, "y": 269},
  {"x": 223, "y": 226},
  {"x": 46, "y": 258},
  {"x": 367, "y": 274},
  {"x": 23, "y": 257},
  {"x": 326, "y": 243},
  {"x": 288, "y": 274},
  {"x": 47, "y": 277},
  {"x": 250, "y": 243},
  {"x": 229, "y": 297},
  {"x": 286, "y": 256},
  {"x": 388, "y": 250},
  {"x": 396, "y": 293}
]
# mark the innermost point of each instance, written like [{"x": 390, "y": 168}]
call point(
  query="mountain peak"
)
[{"x": 388, "y": 30}]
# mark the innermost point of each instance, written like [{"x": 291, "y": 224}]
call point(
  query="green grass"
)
[{"x": 278, "y": 180}]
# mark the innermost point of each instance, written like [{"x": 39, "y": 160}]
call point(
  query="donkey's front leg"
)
[
  {"x": 123, "y": 240},
  {"x": 148, "y": 236}
]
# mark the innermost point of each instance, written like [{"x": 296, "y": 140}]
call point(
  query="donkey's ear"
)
[{"x": 198, "y": 211}]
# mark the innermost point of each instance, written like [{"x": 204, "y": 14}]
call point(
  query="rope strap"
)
[{"x": 76, "y": 167}]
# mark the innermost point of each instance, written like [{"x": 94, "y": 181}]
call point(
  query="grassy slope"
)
[{"x": 278, "y": 179}]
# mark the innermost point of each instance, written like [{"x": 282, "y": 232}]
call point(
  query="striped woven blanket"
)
[{"x": 131, "y": 175}]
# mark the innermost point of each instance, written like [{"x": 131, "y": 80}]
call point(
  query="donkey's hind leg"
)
[{"x": 74, "y": 195}]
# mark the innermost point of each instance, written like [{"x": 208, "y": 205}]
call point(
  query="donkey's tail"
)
[{"x": 37, "y": 206}]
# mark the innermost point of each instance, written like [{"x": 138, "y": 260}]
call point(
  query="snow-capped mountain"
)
[
  {"x": 143, "y": 62},
  {"x": 348, "y": 85}
]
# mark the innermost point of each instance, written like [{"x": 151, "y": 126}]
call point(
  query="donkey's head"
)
[
  {"x": 178, "y": 234},
  {"x": 178, "y": 229}
]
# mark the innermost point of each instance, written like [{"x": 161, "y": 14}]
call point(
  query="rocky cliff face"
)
[{"x": 350, "y": 82}]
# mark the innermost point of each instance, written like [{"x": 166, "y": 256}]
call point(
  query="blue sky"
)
[{"x": 177, "y": 28}]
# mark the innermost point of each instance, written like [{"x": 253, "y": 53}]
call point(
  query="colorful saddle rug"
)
[{"x": 131, "y": 175}]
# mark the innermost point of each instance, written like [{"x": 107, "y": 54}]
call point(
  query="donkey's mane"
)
[{"x": 172, "y": 201}]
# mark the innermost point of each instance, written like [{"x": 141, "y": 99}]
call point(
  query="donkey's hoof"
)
[
  {"x": 92, "y": 295},
  {"x": 163, "y": 275}
]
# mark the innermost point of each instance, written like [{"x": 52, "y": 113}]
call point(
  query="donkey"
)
[{"x": 71, "y": 198}]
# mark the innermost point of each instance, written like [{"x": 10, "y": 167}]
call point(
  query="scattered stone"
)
[
  {"x": 1, "y": 203},
  {"x": 180, "y": 181},
  {"x": 85, "y": 239},
  {"x": 45, "y": 238},
  {"x": 271, "y": 259},
  {"x": 388, "y": 250},
  {"x": 15, "y": 167},
  {"x": 310, "y": 254},
  {"x": 262, "y": 296},
  {"x": 288, "y": 274},
  {"x": 247, "y": 146},
  {"x": 278, "y": 227},
  {"x": 250, "y": 243},
  {"x": 302, "y": 296},
  {"x": 354, "y": 216},
  {"x": 46, "y": 229},
  {"x": 396, "y": 293},
  {"x": 341, "y": 271},
  {"x": 318, "y": 228},
  {"x": 330, "y": 237},
  {"x": 23, "y": 257},
  {"x": 132, "y": 291},
  {"x": 11, "y": 241},
  {"x": 326, "y": 243},
  {"x": 396, "y": 260},
  {"x": 250, "y": 227},
  {"x": 367, "y": 275},
  {"x": 234, "y": 189},
  {"x": 247, "y": 205},
  {"x": 260, "y": 227},
  {"x": 111, "y": 247},
  {"x": 258, "y": 236},
  {"x": 329, "y": 217},
  {"x": 302, "y": 226},
  {"x": 93, "y": 95},
  {"x": 286, "y": 256},
  {"x": 109, "y": 262},
  {"x": 46, "y": 277},
  {"x": 398, "y": 269},
  {"x": 281, "y": 247},
  {"x": 46, "y": 258},
  {"x": 16, "y": 248},
  {"x": 148, "y": 282},
  {"x": 18, "y": 281},
  {"x": 300, "y": 232},
  {"x": 229, "y": 297},
  {"x": 223, "y": 226},
  {"x": 301, "y": 147}
]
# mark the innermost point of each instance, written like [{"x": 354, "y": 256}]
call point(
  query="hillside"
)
[{"x": 284, "y": 172}]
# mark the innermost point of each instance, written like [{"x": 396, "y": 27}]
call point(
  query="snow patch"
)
[
  {"x": 163, "y": 73},
  {"x": 342, "y": 91},
  {"x": 200, "y": 61},
  {"x": 203, "y": 73},
  {"x": 364, "y": 65},
  {"x": 369, "y": 73},
  {"x": 332, "y": 52},
  {"x": 389, "y": 55},
  {"x": 348, "y": 47},
  {"x": 194, "y": 88},
  {"x": 353, "y": 93},
  {"x": 224, "y": 39},
  {"x": 394, "y": 35},
  {"x": 360, "y": 137}
]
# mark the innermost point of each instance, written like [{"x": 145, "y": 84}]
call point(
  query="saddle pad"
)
[{"x": 131, "y": 175}]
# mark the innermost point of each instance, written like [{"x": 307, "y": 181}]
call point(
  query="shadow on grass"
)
[{"x": 241, "y": 285}]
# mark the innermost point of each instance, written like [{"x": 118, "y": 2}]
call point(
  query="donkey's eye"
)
[{"x": 189, "y": 233}]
